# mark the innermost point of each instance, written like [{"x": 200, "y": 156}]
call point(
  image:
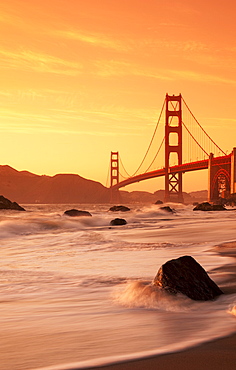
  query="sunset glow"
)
[{"x": 80, "y": 79}]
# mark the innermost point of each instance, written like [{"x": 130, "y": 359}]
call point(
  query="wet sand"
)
[
  {"x": 216, "y": 355},
  {"x": 219, "y": 354}
]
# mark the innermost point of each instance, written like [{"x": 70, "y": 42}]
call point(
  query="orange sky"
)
[{"x": 80, "y": 79}]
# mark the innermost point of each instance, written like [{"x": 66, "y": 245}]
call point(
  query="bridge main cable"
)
[
  {"x": 150, "y": 142},
  {"x": 202, "y": 130}
]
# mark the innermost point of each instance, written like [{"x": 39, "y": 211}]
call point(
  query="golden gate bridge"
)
[{"x": 183, "y": 134}]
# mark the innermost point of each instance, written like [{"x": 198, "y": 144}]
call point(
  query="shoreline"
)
[{"x": 218, "y": 354}]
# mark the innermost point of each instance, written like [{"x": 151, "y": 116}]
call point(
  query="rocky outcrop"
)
[
  {"x": 205, "y": 206},
  {"x": 185, "y": 275},
  {"x": 119, "y": 209},
  {"x": 77, "y": 213},
  {"x": 118, "y": 221},
  {"x": 7, "y": 204}
]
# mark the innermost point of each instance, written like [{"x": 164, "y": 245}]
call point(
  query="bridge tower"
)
[
  {"x": 114, "y": 177},
  {"x": 173, "y": 144},
  {"x": 233, "y": 172},
  {"x": 221, "y": 176}
]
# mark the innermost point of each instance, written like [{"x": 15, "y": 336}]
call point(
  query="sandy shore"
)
[
  {"x": 216, "y": 355},
  {"x": 21, "y": 351}
]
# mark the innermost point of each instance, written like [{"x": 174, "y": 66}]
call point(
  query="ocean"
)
[{"x": 77, "y": 292}]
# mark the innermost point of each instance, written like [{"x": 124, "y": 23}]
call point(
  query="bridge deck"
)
[{"x": 186, "y": 167}]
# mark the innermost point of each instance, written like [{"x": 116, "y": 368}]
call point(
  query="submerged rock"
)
[
  {"x": 119, "y": 209},
  {"x": 118, "y": 221},
  {"x": 77, "y": 213},
  {"x": 167, "y": 209},
  {"x": 7, "y": 204},
  {"x": 185, "y": 275},
  {"x": 205, "y": 206}
]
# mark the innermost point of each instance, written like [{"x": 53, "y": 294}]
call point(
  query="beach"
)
[
  {"x": 216, "y": 355},
  {"x": 77, "y": 293},
  {"x": 219, "y": 354}
]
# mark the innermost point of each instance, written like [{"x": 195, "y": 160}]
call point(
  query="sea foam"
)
[{"x": 146, "y": 295}]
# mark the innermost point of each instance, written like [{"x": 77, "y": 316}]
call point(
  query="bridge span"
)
[
  {"x": 181, "y": 168},
  {"x": 221, "y": 169}
]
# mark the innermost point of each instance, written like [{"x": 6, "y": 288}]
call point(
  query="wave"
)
[
  {"x": 142, "y": 294},
  {"x": 232, "y": 310},
  {"x": 12, "y": 226}
]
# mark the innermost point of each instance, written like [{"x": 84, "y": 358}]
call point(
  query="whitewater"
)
[{"x": 76, "y": 292}]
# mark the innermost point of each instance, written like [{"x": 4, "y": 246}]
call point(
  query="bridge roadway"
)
[{"x": 186, "y": 167}]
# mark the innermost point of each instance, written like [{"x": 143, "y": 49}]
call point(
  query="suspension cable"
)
[
  {"x": 203, "y": 128},
  {"x": 123, "y": 168},
  {"x": 156, "y": 154},
  {"x": 151, "y": 140},
  {"x": 194, "y": 139},
  {"x": 108, "y": 174}
]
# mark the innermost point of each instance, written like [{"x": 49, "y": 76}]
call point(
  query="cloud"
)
[
  {"x": 115, "y": 68},
  {"x": 110, "y": 68},
  {"x": 63, "y": 121},
  {"x": 200, "y": 77},
  {"x": 8, "y": 17},
  {"x": 44, "y": 63},
  {"x": 118, "y": 69},
  {"x": 94, "y": 39}
]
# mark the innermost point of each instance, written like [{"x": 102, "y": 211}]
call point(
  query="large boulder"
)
[
  {"x": 77, "y": 213},
  {"x": 119, "y": 209},
  {"x": 159, "y": 202},
  {"x": 205, "y": 206},
  {"x": 118, "y": 221},
  {"x": 7, "y": 204},
  {"x": 185, "y": 275}
]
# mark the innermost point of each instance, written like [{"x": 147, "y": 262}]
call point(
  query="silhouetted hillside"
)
[
  {"x": 26, "y": 187},
  {"x": 146, "y": 197}
]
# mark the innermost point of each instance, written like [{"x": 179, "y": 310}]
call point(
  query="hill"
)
[
  {"x": 25, "y": 187},
  {"x": 146, "y": 197}
]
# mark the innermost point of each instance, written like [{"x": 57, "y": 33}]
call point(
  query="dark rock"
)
[
  {"x": 119, "y": 209},
  {"x": 118, "y": 221},
  {"x": 167, "y": 209},
  {"x": 218, "y": 207},
  {"x": 7, "y": 204},
  {"x": 159, "y": 202},
  {"x": 205, "y": 206},
  {"x": 185, "y": 275},
  {"x": 230, "y": 200},
  {"x": 77, "y": 213}
]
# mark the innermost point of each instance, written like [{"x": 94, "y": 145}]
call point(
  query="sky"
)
[{"x": 80, "y": 79}]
